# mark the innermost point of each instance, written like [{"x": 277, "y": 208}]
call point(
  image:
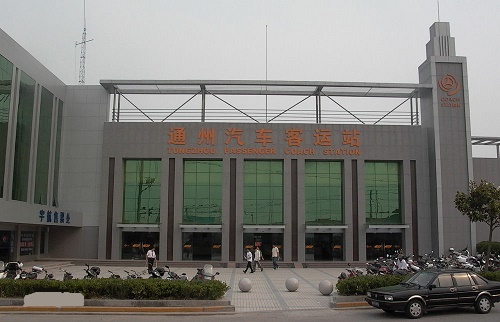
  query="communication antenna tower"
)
[{"x": 83, "y": 43}]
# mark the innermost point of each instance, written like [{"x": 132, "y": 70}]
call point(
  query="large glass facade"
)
[
  {"x": 141, "y": 191},
  {"x": 55, "y": 190},
  {"x": 323, "y": 193},
  {"x": 23, "y": 138},
  {"x": 383, "y": 193},
  {"x": 43, "y": 147},
  {"x": 263, "y": 192},
  {"x": 5, "y": 98},
  {"x": 202, "y": 204}
]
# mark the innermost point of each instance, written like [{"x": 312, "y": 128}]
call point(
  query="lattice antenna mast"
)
[{"x": 83, "y": 43}]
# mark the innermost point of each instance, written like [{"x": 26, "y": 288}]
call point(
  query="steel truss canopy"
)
[
  {"x": 259, "y": 87},
  {"x": 484, "y": 140}
]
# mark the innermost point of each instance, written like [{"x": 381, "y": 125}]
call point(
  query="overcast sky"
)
[{"x": 307, "y": 40}]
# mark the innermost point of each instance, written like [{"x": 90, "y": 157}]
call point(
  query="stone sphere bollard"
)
[
  {"x": 326, "y": 287},
  {"x": 245, "y": 284},
  {"x": 292, "y": 284}
]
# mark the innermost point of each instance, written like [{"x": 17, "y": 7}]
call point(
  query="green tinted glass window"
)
[
  {"x": 263, "y": 193},
  {"x": 23, "y": 138},
  {"x": 142, "y": 191},
  {"x": 323, "y": 193},
  {"x": 55, "y": 200},
  {"x": 383, "y": 193},
  {"x": 5, "y": 98},
  {"x": 43, "y": 147},
  {"x": 202, "y": 198}
]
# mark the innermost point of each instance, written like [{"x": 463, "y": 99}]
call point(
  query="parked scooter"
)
[
  {"x": 92, "y": 272},
  {"x": 351, "y": 272},
  {"x": 205, "y": 274},
  {"x": 174, "y": 276},
  {"x": 12, "y": 270},
  {"x": 113, "y": 275},
  {"x": 37, "y": 270},
  {"x": 67, "y": 275},
  {"x": 158, "y": 272}
]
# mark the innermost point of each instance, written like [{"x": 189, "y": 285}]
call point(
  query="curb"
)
[
  {"x": 109, "y": 309},
  {"x": 348, "y": 302}
]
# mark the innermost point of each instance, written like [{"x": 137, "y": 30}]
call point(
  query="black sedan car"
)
[{"x": 436, "y": 289}]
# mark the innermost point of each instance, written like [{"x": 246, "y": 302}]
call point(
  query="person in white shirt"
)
[
  {"x": 151, "y": 259},
  {"x": 258, "y": 257},
  {"x": 275, "y": 254},
  {"x": 402, "y": 264},
  {"x": 249, "y": 258}
]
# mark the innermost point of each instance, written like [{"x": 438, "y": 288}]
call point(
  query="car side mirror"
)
[{"x": 431, "y": 287}]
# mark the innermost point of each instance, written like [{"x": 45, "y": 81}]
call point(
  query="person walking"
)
[
  {"x": 258, "y": 257},
  {"x": 249, "y": 258},
  {"x": 151, "y": 259},
  {"x": 275, "y": 253}
]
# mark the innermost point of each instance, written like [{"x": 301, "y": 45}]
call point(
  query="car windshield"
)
[{"x": 420, "y": 279}]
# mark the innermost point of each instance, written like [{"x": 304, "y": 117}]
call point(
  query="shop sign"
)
[
  {"x": 262, "y": 142},
  {"x": 54, "y": 217},
  {"x": 27, "y": 243}
]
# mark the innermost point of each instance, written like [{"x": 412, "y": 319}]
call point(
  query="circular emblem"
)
[{"x": 449, "y": 85}]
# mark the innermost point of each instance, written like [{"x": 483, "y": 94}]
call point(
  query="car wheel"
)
[
  {"x": 483, "y": 304},
  {"x": 414, "y": 309}
]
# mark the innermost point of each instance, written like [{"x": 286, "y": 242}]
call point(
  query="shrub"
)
[
  {"x": 139, "y": 289},
  {"x": 492, "y": 276},
  {"x": 483, "y": 246},
  {"x": 360, "y": 284}
]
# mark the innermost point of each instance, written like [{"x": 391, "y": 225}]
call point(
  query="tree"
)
[{"x": 482, "y": 204}]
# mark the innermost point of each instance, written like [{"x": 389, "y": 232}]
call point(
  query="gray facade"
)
[{"x": 434, "y": 159}]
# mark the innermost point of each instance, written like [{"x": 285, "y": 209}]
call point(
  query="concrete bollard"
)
[
  {"x": 245, "y": 284},
  {"x": 292, "y": 284},
  {"x": 326, "y": 287}
]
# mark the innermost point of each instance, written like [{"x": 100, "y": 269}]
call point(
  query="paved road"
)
[{"x": 316, "y": 315}]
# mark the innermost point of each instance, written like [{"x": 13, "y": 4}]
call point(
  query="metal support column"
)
[{"x": 203, "y": 103}]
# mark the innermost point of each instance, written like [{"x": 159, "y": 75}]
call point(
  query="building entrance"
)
[
  {"x": 382, "y": 244},
  {"x": 5, "y": 245},
  {"x": 265, "y": 242},
  {"x": 135, "y": 245},
  {"x": 201, "y": 246},
  {"x": 324, "y": 247}
]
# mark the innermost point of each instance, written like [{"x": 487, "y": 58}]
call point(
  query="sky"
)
[{"x": 290, "y": 40}]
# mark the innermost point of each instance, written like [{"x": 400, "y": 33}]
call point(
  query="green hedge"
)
[
  {"x": 139, "y": 289},
  {"x": 359, "y": 285},
  {"x": 482, "y": 247}
]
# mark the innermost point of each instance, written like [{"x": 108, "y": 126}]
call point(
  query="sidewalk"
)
[{"x": 268, "y": 292}]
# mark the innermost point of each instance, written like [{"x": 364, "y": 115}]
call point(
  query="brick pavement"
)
[{"x": 268, "y": 292}]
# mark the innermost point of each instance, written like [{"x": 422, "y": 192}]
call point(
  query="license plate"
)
[{"x": 375, "y": 303}]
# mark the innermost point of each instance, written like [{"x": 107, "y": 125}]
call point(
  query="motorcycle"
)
[
  {"x": 113, "y": 275},
  {"x": 205, "y": 274},
  {"x": 158, "y": 272},
  {"x": 351, "y": 272},
  {"x": 174, "y": 276},
  {"x": 67, "y": 275},
  {"x": 12, "y": 270},
  {"x": 133, "y": 274},
  {"x": 37, "y": 270},
  {"x": 92, "y": 272}
]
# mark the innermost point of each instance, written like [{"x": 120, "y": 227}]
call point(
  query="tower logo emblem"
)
[{"x": 449, "y": 85}]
